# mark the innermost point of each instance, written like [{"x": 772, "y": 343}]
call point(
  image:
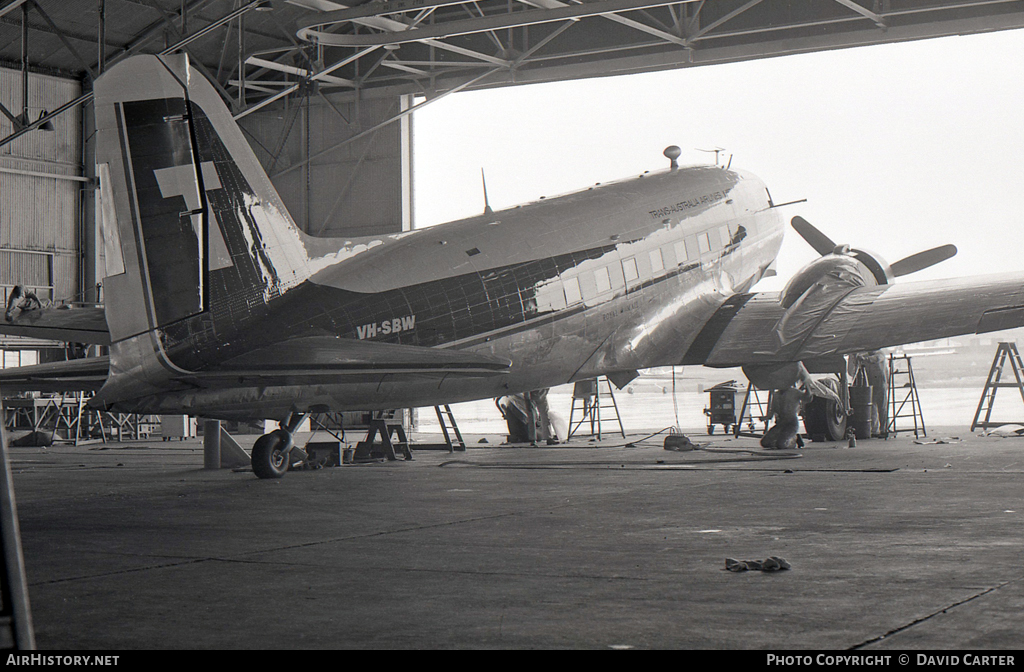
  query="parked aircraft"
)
[{"x": 217, "y": 305}]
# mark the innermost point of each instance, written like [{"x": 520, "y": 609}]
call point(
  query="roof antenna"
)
[
  {"x": 716, "y": 150},
  {"x": 487, "y": 204}
]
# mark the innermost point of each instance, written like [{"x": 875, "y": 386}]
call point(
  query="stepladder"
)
[
  {"x": 904, "y": 402},
  {"x": 1006, "y": 353}
]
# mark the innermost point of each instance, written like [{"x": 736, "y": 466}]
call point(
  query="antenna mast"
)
[{"x": 487, "y": 203}]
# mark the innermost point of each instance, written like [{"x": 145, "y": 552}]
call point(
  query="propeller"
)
[
  {"x": 823, "y": 245},
  {"x": 922, "y": 260}
]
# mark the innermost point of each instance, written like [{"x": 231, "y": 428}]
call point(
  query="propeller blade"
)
[
  {"x": 816, "y": 239},
  {"x": 922, "y": 260}
]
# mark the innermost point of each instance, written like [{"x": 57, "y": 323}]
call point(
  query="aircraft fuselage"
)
[{"x": 610, "y": 279}]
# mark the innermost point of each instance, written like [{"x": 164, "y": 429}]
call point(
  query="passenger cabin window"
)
[
  {"x": 682, "y": 253},
  {"x": 629, "y": 270},
  {"x": 603, "y": 280},
  {"x": 723, "y": 231},
  {"x": 704, "y": 243},
  {"x": 657, "y": 261},
  {"x": 691, "y": 249},
  {"x": 548, "y": 297},
  {"x": 572, "y": 290}
]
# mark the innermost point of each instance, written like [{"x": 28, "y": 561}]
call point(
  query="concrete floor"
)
[{"x": 893, "y": 545}]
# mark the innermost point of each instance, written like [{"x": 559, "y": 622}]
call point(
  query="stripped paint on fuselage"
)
[{"x": 613, "y": 278}]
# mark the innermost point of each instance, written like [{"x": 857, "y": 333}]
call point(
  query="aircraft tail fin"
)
[{"x": 192, "y": 226}]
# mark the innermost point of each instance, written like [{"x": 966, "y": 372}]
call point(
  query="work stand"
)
[
  {"x": 754, "y": 410},
  {"x": 588, "y": 398},
  {"x": 16, "y": 631},
  {"x": 386, "y": 426},
  {"x": 1005, "y": 351}
]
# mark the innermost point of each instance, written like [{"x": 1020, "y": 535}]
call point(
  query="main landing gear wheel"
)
[
  {"x": 271, "y": 454},
  {"x": 824, "y": 419}
]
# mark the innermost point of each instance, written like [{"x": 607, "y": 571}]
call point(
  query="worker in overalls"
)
[{"x": 786, "y": 405}]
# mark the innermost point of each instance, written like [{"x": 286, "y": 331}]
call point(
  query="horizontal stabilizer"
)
[
  {"x": 76, "y": 375},
  {"x": 322, "y": 358},
  {"x": 67, "y": 324}
]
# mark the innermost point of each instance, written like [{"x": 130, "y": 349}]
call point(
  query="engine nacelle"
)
[
  {"x": 811, "y": 294},
  {"x": 844, "y": 268},
  {"x": 774, "y": 376}
]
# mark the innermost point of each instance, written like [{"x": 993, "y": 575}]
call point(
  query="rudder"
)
[{"x": 199, "y": 234}]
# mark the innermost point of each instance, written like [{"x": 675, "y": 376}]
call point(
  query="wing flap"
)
[
  {"x": 323, "y": 359},
  {"x": 870, "y": 318}
]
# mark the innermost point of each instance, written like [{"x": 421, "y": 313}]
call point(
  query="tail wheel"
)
[
  {"x": 824, "y": 419},
  {"x": 270, "y": 454}
]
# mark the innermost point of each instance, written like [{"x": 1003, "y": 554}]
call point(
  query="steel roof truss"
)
[
  {"x": 728, "y": 17},
  {"x": 13, "y": 5},
  {"x": 644, "y": 28},
  {"x": 63, "y": 39},
  {"x": 301, "y": 72},
  {"x": 466, "y": 52},
  {"x": 397, "y": 32},
  {"x": 398, "y": 65},
  {"x": 625, "y": 21},
  {"x": 490, "y": 33},
  {"x": 691, "y": 25},
  {"x": 865, "y": 12},
  {"x": 262, "y": 87},
  {"x": 540, "y": 45}
]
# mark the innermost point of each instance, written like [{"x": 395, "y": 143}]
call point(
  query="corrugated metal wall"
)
[
  {"x": 359, "y": 188},
  {"x": 40, "y": 213}
]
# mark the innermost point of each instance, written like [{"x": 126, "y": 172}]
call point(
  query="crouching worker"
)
[{"x": 786, "y": 404}]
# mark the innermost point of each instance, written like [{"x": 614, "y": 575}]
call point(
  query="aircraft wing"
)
[
  {"x": 72, "y": 324},
  {"x": 747, "y": 329},
  {"x": 76, "y": 375},
  {"x": 324, "y": 358}
]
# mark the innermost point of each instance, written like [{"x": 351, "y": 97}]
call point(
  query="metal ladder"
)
[
  {"x": 896, "y": 405},
  {"x": 446, "y": 419},
  {"x": 992, "y": 384}
]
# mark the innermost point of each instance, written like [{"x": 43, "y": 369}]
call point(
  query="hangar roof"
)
[{"x": 389, "y": 47}]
